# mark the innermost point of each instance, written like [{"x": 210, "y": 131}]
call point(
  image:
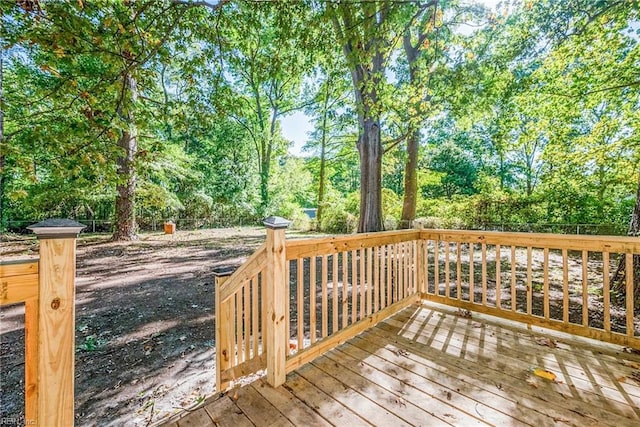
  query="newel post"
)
[
  {"x": 56, "y": 322},
  {"x": 276, "y": 297}
]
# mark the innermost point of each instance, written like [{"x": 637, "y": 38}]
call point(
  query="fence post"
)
[
  {"x": 277, "y": 287},
  {"x": 223, "y": 323},
  {"x": 56, "y": 321}
]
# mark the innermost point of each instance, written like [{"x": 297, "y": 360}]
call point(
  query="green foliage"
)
[{"x": 531, "y": 118}]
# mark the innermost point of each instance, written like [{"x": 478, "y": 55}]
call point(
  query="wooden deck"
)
[{"x": 430, "y": 365}]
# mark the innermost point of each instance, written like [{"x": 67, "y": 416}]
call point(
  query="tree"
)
[
  {"x": 364, "y": 30},
  {"x": 267, "y": 48},
  {"x": 98, "y": 65}
]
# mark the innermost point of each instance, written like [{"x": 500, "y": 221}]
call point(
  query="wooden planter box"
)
[{"x": 169, "y": 228}]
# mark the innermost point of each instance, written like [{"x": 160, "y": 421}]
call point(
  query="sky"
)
[{"x": 297, "y": 126}]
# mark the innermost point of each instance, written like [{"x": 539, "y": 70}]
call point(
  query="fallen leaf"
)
[
  {"x": 463, "y": 313},
  {"x": 622, "y": 379},
  {"x": 631, "y": 364},
  {"x": 630, "y": 350},
  {"x": 543, "y": 373},
  {"x": 548, "y": 342}
]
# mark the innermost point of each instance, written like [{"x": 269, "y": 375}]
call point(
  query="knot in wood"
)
[{"x": 55, "y": 304}]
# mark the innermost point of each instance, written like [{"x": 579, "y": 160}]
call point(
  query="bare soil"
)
[{"x": 144, "y": 324}]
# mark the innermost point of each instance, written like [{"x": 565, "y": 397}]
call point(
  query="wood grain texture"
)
[
  {"x": 252, "y": 266},
  {"x": 540, "y": 240},
  {"x": 277, "y": 295},
  {"x": 31, "y": 360},
  {"x": 17, "y": 289},
  {"x": 56, "y": 329}
]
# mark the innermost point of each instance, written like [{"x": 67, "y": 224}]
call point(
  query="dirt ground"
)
[{"x": 144, "y": 324}]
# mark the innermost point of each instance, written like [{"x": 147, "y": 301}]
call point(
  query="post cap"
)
[
  {"x": 276, "y": 222},
  {"x": 55, "y": 228},
  {"x": 224, "y": 271}
]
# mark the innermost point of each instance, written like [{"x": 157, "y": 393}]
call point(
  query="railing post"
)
[
  {"x": 223, "y": 322},
  {"x": 56, "y": 322},
  {"x": 276, "y": 298}
]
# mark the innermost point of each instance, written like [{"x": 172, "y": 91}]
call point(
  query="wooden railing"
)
[
  {"x": 294, "y": 300},
  {"x": 556, "y": 281},
  {"x": 239, "y": 320},
  {"x": 340, "y": 286},
  {"x": 46, "y": 286}
]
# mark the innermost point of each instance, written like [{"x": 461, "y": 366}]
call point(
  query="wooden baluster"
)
[
  {"x": 629, "y": 294},
  {"x": 354, "y": 286},
  {"x": 402, "y": 262},
  {"x": 565, "y": 286},
  {"x": 585, "y": 289},
  {"x": 529, "y": 280},
  {"x": 334, "y": 294},
  {"x": 325, "y": 320},
  {"x": 56, "y": 325},
  {"x": 246, "y": 314},
  {"x": 255, "y": 327},
  {"x": 300, "y": 303},
  {"x": 425, "y": 271},
  {"x": 513, "y": 279},
  {"x": 484, "y": 274},
  {"x": 606, "y": 292},
  {"x": 361, "y": 281},
  {"x": 545, "y": 285},
  {"x": 313, "y": 306},
  {"x": 436, "y": 267},
  {"x": 447, "y": 284},
  {"x": 471, "y": 272},
  {"x": 31, "y": 361},
  {"x": 389, "y": 267},
  {"x": 458, "y": 272},
  {"x": 498, "y": 278},
  {"x": 376, "y": 279},
  {"x": 238, "y": 327},
  {"x": 369, "y": 280},
  {"x": 223, "y": 320},
  {"x": 345, "y": 294}
]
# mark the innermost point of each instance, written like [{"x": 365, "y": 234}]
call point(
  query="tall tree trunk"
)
[
  {"x": 125, "y": 227},
  {"x": 363, "y": 53},
  {"x": 410, "y": 181},
  {"x": 618, "y": 279},
  {"x": 411, "y": 166},
  {"x": 370, "y": 149},
  {"x": 320, "y": 208},
  {"x": 323, "y": 153}
]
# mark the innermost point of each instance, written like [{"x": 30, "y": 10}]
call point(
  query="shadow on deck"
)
[{"x": 430, "y": 365}]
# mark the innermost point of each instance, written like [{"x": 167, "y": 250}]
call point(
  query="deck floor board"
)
[{"x": 426, "y": 365}]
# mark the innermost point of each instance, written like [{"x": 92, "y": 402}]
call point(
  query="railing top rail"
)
[
  {"x": 19, "y": 261},
  {"x": 247, "y": 270},
  {"x": 301, "y": 248},
  {"x": 554, "y": 241}
]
